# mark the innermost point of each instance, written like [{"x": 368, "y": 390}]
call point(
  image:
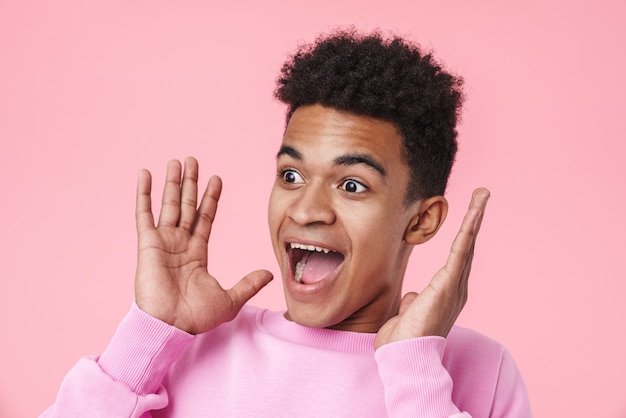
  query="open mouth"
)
[{"x": 310, "y": 263}]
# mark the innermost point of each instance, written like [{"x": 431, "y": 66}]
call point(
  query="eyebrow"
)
[
  {"x": 290, "y": 151},
  {"x": 354, "y": 159},
  {"x": 344, "y": 160}
]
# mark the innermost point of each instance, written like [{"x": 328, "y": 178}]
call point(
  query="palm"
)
[{"x": 172, "y": 281}]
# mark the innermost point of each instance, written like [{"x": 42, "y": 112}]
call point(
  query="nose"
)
[{"x": 312, "y": 205}]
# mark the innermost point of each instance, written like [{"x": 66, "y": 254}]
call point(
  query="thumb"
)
[
  {"x": 406, "y": 301},
  {"x": 249, "y": 286}
]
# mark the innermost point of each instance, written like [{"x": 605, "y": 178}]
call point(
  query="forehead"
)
[{"x": 316, "y": 129}]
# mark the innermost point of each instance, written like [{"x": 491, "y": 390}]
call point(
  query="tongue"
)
[{"x": 320, "y": 265}]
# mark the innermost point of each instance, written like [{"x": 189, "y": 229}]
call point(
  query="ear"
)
[{"x": 429, "y": 216}]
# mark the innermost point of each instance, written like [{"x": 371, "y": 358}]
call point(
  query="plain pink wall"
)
[{"x": 90, "y": 92}]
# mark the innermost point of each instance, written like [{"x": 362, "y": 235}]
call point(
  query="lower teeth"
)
[{"x": 299, "y": 270}]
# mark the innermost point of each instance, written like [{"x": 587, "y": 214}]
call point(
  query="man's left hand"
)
[{"x": 434, "y": 311}]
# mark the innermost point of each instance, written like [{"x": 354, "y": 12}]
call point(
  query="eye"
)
[
  {"x": 292, "y": 177},
  {"x": 353, "y": 186}
]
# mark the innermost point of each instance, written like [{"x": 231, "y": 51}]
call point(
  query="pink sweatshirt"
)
[{"x": 262, "y": 365}]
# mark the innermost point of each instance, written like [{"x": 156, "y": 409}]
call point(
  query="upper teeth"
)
[{"x": 310, "y": 247}]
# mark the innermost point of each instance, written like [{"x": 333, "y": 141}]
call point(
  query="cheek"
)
[
  {"x": 272, "y": 208},
  {"x": 377, "y": 238},
  {"x": 274, "y": 221},
  {"x": 276, "y": 209},
  {"x": 379, "y": 226}
]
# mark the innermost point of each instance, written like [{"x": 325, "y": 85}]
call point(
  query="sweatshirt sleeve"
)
[
  {"x": 415, "y": 380},
  {"x": 125, "y": 381}
]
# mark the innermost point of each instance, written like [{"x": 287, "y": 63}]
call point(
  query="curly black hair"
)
[{"x": 388, "y": 79}]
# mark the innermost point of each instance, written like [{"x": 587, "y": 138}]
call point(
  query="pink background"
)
[{"x": 90, "y": 92}]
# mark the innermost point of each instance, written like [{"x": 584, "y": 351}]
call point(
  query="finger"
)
[
  {"x": 189, "y": 194},
  {"x": 143, "y": 207},
  {"x": 458, "y": 265},
  {"x": 170, "y": 204},
  {"x": 247, "y": 287},
  {"x": 480, "y": 197},
  {"x": 479, "y": 203},
  {"x": 208, "y": 208},
  {"x": 463, "y": 289}
]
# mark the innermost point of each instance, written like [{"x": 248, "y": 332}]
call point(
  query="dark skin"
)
[
  {"x": 173, "y": 282},
  {"x": 435, "y": 310}
]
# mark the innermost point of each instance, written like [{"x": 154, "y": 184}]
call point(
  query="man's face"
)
[{"x": 337, "y": 218}]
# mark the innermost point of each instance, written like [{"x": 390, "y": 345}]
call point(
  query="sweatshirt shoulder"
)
[
  {"x": 472, "y": 357},
  {"x": 246, "y": 323},
  {"x": 482, "y": 368},
  {"x": 467, "y": 342},
  {"x": 470, "y": 351},
  {"x": 249, "y": 314}
]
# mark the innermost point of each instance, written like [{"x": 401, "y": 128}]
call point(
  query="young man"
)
[{"x": 361, "y": 171}]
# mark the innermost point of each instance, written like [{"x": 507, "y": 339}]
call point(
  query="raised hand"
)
[
  {"x": 172, "y": 282},
  {"x": 435, "y": 310}
]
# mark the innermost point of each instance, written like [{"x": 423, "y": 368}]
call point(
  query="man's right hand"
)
[{"x": 172, "y": 282}]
